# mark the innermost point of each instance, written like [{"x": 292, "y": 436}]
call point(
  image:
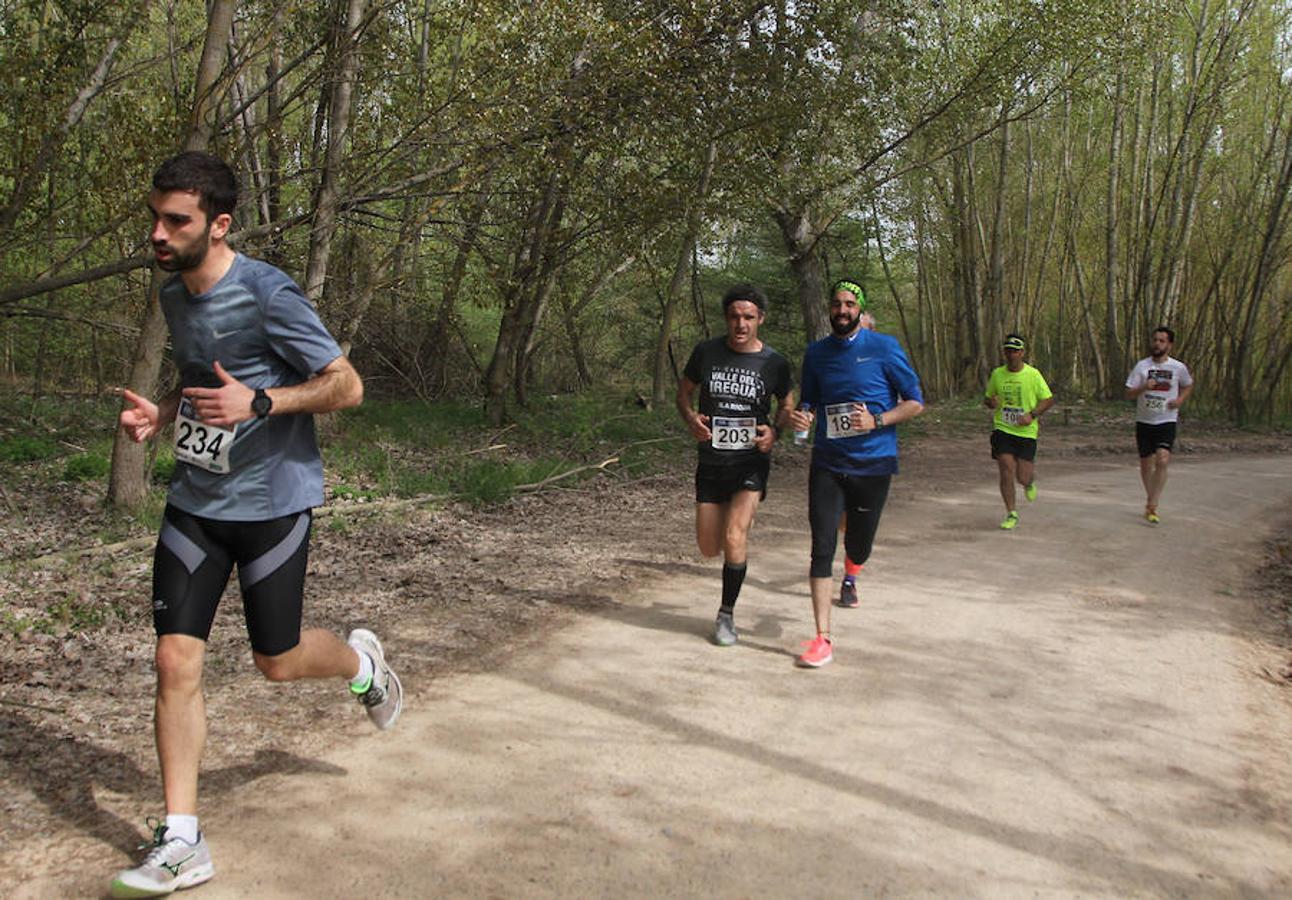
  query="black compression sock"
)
[{"x": 732, "y": 578}]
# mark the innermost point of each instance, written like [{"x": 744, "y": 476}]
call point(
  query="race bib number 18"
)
[
  {"x": 838, "y": 420},
  {"x": 199, "y": 444},
  {"x": 734, "y": 434}
]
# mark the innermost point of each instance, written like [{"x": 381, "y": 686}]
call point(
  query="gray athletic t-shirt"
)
[{"x": 261, "y": 328}]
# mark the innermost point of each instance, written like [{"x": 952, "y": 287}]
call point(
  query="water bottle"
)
[{"x": 801, "y": 437}]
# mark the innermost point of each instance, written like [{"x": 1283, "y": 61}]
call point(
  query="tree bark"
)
[
  {"x": 800, "y": 234},
  {"x": 339, "y": 103},
  {"x": 1112, "y": 224},
  {"x": 128, "y": 482},
  {"x": 678, "y": 284}
]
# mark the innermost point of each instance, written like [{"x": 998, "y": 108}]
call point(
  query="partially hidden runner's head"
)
[
  {"x": 1014, "y": 347},
  {"x": 203, "y": 174},
  {"x": 1160, "y": 342},
  {"x": 743, "y": 308},
  {"x": 847, "y": 306},
  {"x": 748, "y": 293}
]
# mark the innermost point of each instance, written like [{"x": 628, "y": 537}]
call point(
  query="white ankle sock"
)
[
  {"x": 365, "y": 669},
  {"x": 181, "y": 827}
]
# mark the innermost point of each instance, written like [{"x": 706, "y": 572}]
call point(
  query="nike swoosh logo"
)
[{"x": 221, "y": 335}]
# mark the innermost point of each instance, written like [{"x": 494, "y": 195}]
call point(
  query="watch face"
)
[{"x": 260, "y": 404}]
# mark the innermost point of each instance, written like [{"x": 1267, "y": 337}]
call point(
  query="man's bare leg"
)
[
  {"x": 320, "y": 654},
  {"x": 179, "y": 721}
]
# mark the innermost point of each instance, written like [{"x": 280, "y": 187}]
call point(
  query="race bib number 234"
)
[{"x": 199, "y": 444}]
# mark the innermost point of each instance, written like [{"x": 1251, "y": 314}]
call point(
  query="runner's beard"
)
[
  {"x": 843, "y": 324},
  {"x": 184, "y": 262}
]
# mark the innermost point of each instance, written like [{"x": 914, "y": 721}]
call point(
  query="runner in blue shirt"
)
[{"x": 857, "y": 385}]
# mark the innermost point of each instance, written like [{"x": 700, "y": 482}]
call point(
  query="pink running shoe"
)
[{"x": 819, "y": 652}]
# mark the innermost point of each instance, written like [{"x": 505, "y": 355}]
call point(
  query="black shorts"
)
[
  {"x": 718, "y": 483},
  {"x": 1152, "y": 438},
  {"x": 191, "y": 567},
  {"x": 1012, "y": 444}
]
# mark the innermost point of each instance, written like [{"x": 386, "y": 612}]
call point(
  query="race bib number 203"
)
[
  {"x": 199, "y": 444},
  {"x": 734, "y": 433}
]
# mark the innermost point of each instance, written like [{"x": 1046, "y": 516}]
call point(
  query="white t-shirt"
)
[{"x": 1171, "y": 375}]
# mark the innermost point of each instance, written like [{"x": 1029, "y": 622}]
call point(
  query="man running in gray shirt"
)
[{"x": 255, "y": 363}]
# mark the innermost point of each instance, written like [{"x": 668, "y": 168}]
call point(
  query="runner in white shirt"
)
[{"x": 1159, "y": 384}]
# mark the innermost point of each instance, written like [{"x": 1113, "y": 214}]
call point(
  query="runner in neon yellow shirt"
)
[{"x": 1019, "y": 395}]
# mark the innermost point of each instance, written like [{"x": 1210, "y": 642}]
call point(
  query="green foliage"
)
[
  {"x": 86, "y": 467},
  {"x": 542, "y": 146},
  {"x": 164, "y": 466},
  {"x": 21, "y": 448},
  {"x": 406, "y": 449}
]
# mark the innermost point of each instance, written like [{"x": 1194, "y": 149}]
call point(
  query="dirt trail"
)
[{"x": 1067, "y": 709}]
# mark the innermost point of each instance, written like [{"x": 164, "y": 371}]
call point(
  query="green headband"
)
[
  {"x": 853, "y": 288},
  {"x": 1014, "y": 343}
]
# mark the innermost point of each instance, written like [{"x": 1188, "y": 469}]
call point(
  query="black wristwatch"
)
[
  {"x": 261, "y": 404},
  {"x": 879, "y": 420}
]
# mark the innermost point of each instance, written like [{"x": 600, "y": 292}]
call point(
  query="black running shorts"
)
[
  {"x": 1013, "y": 445},
  {"x": 718, "y": 483},
  {"x": 191, "y": 567},
  {"x": 1152, "y": 438}
]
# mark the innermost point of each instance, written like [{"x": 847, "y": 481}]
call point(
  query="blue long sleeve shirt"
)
[{"x": 865, "y": 367}]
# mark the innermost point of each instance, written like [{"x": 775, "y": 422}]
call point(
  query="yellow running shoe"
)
[
  {"x": 1030, "y": 492},
  {"x": 1151, "y": 516},
  {"x": 1010, "y": 522}
]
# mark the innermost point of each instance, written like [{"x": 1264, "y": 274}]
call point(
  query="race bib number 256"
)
[{"x": 199, "y": 444}]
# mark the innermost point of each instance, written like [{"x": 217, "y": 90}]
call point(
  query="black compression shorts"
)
[{"x": 191, "y": 567}]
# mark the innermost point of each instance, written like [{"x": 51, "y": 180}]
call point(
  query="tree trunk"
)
[
  {"x": 338, "y": 121},
  {"x": 679, "y": 282},
  {"x": 1112, "y": 223},
  {"x": 800, "y": 234},
  {"x": 128, "y": 484},
  {"x": 520, "y": 293}
]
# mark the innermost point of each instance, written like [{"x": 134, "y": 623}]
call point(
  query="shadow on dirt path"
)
[{"x": 1070, "y": 708}]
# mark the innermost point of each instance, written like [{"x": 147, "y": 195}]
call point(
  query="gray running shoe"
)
[
  {"x": 384, "y": 698},
  {"x": 724, "y": 630},
  {"x": 172, "y": 864},
  {"x": 848, "y": 596}
]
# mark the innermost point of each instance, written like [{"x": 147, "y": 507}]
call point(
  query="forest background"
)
[{"x": 494, "y": 201}]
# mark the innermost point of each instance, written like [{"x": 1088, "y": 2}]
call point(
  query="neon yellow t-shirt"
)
[{"x": 1019, "y": 392}]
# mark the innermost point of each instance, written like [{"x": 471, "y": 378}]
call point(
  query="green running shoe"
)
[
  {"x": 1010, "y": 522},
  {"x": 1030, "y": 492}
]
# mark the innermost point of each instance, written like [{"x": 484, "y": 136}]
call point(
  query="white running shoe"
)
[
  {"x": 172, "y": 864},
  {"x": 384, "y": 697}
]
